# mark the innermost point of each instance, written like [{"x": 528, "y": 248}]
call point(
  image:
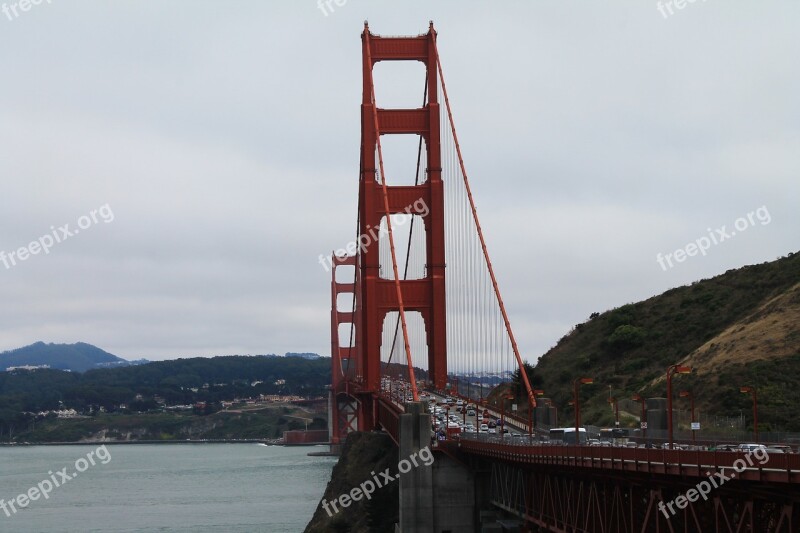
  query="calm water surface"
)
[{"x": 169, "y": 488}]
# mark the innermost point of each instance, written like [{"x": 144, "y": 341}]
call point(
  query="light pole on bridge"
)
[
  {"x": 752, "y": 391},
  {"x": 532, "y": 414},
  {"x": 674, "y": 369},
  {"x": 503, "y": 415},
  {"x": 642, "y": 418},
  {"x": 687, "y": 394},
  {"x": 575, "y": 386},
  {"x": 613, "y": 401}
]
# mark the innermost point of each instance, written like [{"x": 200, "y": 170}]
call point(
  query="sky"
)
[{"x": 207, "y": 152}]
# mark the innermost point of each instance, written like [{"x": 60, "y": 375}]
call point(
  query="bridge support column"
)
[{"x": 416, "y": 485}]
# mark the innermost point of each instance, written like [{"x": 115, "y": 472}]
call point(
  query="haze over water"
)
[{"x": 167, "y": 488}]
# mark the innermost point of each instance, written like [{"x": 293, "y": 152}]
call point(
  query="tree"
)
[
  {"x": 518, "y": 383},
  {"x": 626, "y": 337}
]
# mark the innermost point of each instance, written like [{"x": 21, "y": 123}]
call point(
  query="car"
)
[
  {"x": 751, "y": 447},
  {"x": 774, "y": 449},
  {"x": 785, "y": 448},
  {"x": 492, "y": 424},
  {"x": 593, "y": 442},
  {"x": 484, "y": 428},
  {"x": 470, "y": 412},
  {"x": 492, "y": 430}
]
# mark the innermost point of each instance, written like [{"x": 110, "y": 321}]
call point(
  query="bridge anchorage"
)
[{"x": 417, "y": 318}]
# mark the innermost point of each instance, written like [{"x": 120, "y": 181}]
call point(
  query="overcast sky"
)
[{"x": 223, "y": 137}]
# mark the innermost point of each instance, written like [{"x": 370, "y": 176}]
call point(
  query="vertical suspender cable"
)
[{"x": 523, "y": 374}]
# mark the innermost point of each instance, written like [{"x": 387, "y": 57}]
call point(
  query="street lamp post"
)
[
  {"x": 553, "y": 406},
  {"x": 532, "y": 413},
  {"x": 642, "y": 418},
  {"x": 503, "y": 416},
  {"x": 613, "y": 400},
  {"x": 575, "y": 386},
  {"x": 674, "y": 369},
  {"x": 752, "y": 391},
  {"x": 687, "y": 394}
]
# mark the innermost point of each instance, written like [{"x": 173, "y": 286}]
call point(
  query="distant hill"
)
[
  {"x": 303, "y": 355},
  {"x": 157, "y": 385},
  {"x": 739, "y": 328},
  {"x": 78, "y": 357}
]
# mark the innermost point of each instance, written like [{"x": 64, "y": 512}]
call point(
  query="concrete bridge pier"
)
[
  {"x": 440, "y": 496},
  {"x": 416, "y": 485}
]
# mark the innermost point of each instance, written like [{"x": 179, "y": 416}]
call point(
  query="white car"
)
[
  {"x": 484, "y": 428},
  {"x": 751, "y": 447}
]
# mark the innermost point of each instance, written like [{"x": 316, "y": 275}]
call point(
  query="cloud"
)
[{"x": 226, "y": 141}]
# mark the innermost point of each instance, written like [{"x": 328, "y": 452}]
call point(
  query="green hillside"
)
[
  {"x": 149, "y": 388},
  {"x": 739, "y": 328}
]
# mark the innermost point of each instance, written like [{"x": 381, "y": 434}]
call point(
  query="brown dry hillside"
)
[
  {"x": 771, "y": 332},
  {"x": 738, "y": 328}
]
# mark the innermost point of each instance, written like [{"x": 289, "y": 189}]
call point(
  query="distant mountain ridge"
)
[
  {"x": 81, "y": 356},
  {"x": 78, "y": 357}
]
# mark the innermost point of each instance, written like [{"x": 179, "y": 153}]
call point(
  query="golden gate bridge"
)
[{"x": 420, "y": 299}]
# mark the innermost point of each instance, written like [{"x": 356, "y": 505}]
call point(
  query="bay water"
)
[{"x": 236, "y": 488}]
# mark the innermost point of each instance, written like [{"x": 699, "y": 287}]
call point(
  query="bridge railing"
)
[
  {"x": 388, "y": 413},
  {"x": 772, "y": 467}
]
